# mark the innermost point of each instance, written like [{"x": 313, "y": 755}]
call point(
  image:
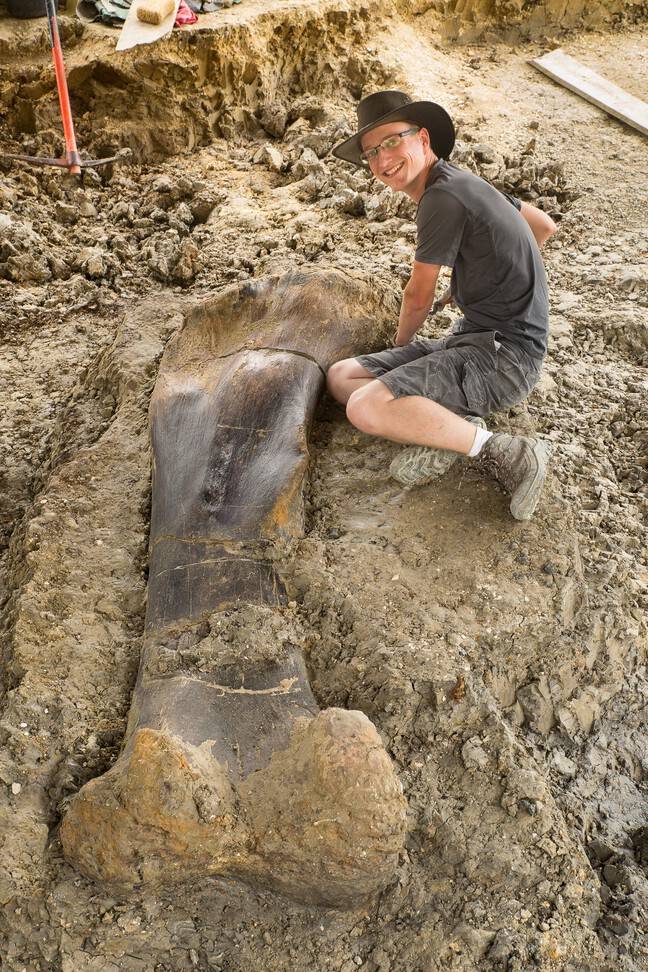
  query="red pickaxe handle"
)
[{"x": 72, "y": 157}]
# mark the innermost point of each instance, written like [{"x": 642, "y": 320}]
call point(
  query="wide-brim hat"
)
[{"x": 386, "y": 106}]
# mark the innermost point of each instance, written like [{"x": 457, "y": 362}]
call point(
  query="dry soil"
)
[{"x": 504, "y": 664}]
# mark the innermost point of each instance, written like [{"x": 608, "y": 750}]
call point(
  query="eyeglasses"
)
[{"x": 391, "y": 142}]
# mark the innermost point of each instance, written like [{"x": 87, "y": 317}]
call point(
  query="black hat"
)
[{"x": 385, "y": 106}]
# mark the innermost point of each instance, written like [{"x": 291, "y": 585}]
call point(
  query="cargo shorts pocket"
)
[{"x": 475, "y": 388}]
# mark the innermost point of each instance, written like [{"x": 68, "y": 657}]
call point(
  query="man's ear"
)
[{"x": 426, "y": 137}]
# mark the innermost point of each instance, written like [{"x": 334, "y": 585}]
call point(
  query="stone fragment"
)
[
  {"x": 474, "y": 755},
  {"x": 274, "y": 118},
  {"x": 564, "y": 765},
  {"x": 271, "y": 157},
  {"x": 349, "y": 201},
  {"x": 537, "y": 707},
  {"x": 202, "y": 204},
  {"x": 545, "y": 387},
  {"x": 381, "y": 206},
  {"x": 28, "y": 268},
  {"x": 92, "y": 261},
  {"x": 187, "y": 263},
  {"x": 307, "y": 164},
  {"x": 66, "y": 213}
]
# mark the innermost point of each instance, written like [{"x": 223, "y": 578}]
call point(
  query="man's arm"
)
[
  {"x": 542, "y": 225},
  {"x": 418, "y": 297}
]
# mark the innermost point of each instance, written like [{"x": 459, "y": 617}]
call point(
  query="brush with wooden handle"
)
[{"x": 154, "y": 11}]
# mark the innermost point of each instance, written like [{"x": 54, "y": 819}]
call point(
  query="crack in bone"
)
[
  {"x": 285, "y": 686},
  {"x": 299, "y": 354},
  {"x": 202, "y": 563}
]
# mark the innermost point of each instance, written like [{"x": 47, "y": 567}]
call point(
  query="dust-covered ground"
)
[{"x": 503, "y": 663}]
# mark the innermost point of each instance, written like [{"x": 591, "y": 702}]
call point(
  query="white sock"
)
[{"x": 481, "y": 438}]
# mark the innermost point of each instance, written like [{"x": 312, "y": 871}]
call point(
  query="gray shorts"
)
[{"x": 470, "y": 374}]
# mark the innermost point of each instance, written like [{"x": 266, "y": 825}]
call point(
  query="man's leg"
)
[
  {"x": 519, "y": 463},
  {"x": 346, "y": 377},
  {"x": 413, "y": 419}
]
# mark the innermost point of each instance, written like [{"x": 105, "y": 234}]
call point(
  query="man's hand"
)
[{"x": 443, "y": 301}]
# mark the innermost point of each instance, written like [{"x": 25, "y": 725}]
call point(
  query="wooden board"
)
[{"x": 588, "y": 84}]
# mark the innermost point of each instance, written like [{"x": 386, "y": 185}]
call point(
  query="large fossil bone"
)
[{"x": 228, "y": 767}]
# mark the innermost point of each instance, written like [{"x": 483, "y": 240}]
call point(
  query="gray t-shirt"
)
[{"x": 498, "y": 280}]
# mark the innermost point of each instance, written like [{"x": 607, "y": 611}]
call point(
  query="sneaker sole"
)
[
  {"x": 523, "y": 506},
  {"x": 406, "y": 467}
]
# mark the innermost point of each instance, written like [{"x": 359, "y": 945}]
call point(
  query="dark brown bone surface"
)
[{"x": 228, "y": 767}]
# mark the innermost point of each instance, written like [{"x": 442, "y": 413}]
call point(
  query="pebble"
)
[
  {"x": 564, "y": 765},
  {"x": 16, "y": 788}
]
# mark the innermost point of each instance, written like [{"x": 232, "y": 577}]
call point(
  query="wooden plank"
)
[{"x": 588, "y": 84}]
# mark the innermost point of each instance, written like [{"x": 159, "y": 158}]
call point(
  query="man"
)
[{"x": 431, "y": 394}]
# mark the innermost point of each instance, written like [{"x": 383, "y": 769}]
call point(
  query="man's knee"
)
[{"x": 364, "y": 407}]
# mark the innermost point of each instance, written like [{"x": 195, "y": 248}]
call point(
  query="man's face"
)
[{"x": 397, "y": 167}]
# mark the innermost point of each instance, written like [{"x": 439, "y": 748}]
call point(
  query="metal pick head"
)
[{"x": 69, "y": 164}]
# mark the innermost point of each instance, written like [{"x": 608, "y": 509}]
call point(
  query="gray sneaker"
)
[
  {"x": 519, "y": 464},
  {"x": 419, "y": 465}
]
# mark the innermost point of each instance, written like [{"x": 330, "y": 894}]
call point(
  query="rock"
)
[
  {"x": 7, "y": 195},
  {"x": 60, "y": 269},
  {"x": 183, "y": 213},
  {"x": 26, "y": 267},
  {"x": 545, "y": 386},
  {"x": 485, "y": 153},
  {"x": 350, "y": 202},
  {"x": 92, "y": 261},
  {"x": 273, "y": 118},
  {"x": 564, "y": 765},
  {"x": 537, "y": 708},
  {"x": 618, "y": 925},
  {"x": 631, "y": 281},
  {"x": 163, "y": 184},
  {"x": 617, "y": 875},
  {"x": 381, "y": 206},
  {"x": 476, "y": 940},
  {"x": 474, "y": 755},
  {"x": 490, "y": 172},
  {"x": 87, "y": 209},
  {"x": 271, "y": 157},
  {"x": 306, "y": 164},
  {"x": 505, "y": 945},
  {"x": 561, "y": 334},
  {"x": 202, "y": 205},
  {"x": 187, "y": 263},
  {"x": 600, "y": 850},
  {"x": 66, "y": 213}
]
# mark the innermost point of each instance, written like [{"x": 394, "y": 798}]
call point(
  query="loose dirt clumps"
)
[{"x": 503, "y": 665}]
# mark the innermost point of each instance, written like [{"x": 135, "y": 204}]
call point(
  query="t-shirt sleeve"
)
[
  {"x": 513, "y": 200},
  {"x": 440, "y": 222}
]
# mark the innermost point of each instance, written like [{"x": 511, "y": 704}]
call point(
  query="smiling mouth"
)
[{"x": 394, "y": 169}]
